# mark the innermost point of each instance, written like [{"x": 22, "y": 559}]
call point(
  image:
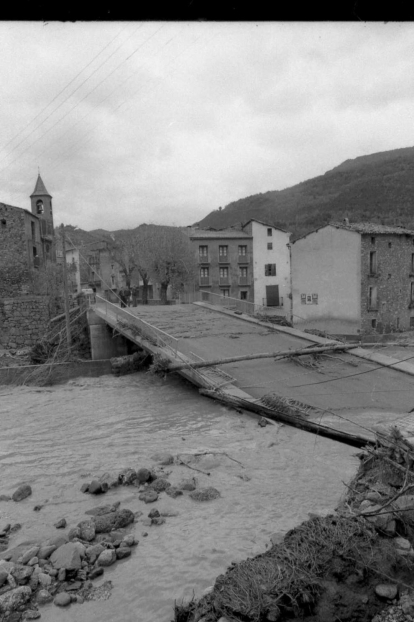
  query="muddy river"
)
[{"x": 57, "y": 438}]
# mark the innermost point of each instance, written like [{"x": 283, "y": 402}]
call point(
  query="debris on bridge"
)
[{"x": 354, "y": 564}]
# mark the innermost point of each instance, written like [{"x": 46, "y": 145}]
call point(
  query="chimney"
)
[{"x": 346, "y": 221}]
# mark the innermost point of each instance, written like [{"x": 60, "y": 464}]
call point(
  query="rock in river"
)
[
  {"x": 148, "y": 496},
  {"x": 107, "y": 558},
  {"x": 67, "y": 556},
  {"x": 163, "y": 458},
  {"x": 113, "y": 520},
  {"x": 62, "y": 600},
  {"x": 22, "y": 492},
  {"x": 204, "y": 494},
  {"x": 13, "y": 600}
]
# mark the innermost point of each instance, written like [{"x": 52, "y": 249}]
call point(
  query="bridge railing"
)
[
  {"x": 227, "y": 302},
  {"x": 135, "y": 325}
]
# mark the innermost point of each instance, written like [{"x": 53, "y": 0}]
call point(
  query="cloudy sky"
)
[{"x": 162, "y": 122}]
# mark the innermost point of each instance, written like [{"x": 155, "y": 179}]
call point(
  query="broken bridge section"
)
[{"x": 333, "y": 389}]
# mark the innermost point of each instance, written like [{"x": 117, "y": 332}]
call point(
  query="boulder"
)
[
  {"x": 87, "y": 530},
  {"x": 57, "y": 541},
  {"x": 107, "y": 558},
  {"x": 62, "y": 599},
  {"x": 95, "y": 487},
  {"x": 44, "y": 579},
  {"x": 163, "y": 458},
  {"x": 148, "y": 496},
  {"x": 122, "y": 552},
  {"x": 67, "y": 556},
  {"x": 22, "y": 574},
  {"x": 174, "y": 492},
  {"x": 129, "y": 540},
  {"x": 27, "y": 555},
  {"x": 113, "y": 520},
  {"x": 93, "y": 552},
  {"x": 204, "y": 494},
  {"x": 22, "y": 492},
  {"x": 386, "y": 591},
  {"x": 103, "y": 509},
  {"x": 46, "y": 551},
  {"x": 154, "y": 514},
  {"x": 159, "y": 485},
  {"x": 127, "y": 477},
  {"x": 96, "y": 572},
  {"x": 157, "y": 521},
  {"x": 13, "y": 600},
  {"x": 73, "y": 533},
  {"x": 31, "y": 614},
  {"x": 143, "y": 475},
  {"x": 61, "y": 524}
]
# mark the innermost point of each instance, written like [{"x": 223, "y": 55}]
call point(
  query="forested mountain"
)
[{"x": 376, "y": 188}]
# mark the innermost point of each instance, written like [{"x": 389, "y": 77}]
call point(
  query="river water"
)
[{"x": 57, "y": 438}]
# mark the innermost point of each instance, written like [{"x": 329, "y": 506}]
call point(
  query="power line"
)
[
  {"x": 64, "y": 88},
  {"x": 367, "y": 371},
  {"x": 61, "y": 104}
]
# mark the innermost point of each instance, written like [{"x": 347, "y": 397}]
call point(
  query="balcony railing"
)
[
  {"x": 224, "y": 259},
  {"x": 204, "y": 280},
  {"x": 203, "y": 259},
  {"x": 244, "y": 280},
  {"x": 224, "y": 280},
  {"x": 243, "y": 259},
  {"x": 278, "y": 306}
]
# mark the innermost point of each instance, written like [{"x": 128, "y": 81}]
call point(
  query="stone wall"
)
[
  {"x": 23, "y": 320},
  {"x": 392, "y": 277},
  {"x": 13, "y": 250}
]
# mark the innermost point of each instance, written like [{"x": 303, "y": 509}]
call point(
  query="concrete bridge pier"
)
[{"x": 103, "y": 344}]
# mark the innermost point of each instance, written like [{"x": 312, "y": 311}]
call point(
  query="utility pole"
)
[{"x": 65, "y": 287}]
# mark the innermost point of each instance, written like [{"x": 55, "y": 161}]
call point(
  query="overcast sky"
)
[{"x": 134, "y": 122}]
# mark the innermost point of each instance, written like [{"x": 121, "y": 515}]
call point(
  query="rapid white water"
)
[{"x": 57, "y": 438}]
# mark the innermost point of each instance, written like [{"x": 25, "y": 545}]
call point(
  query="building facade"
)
[
  {"x": 271, "y": 266},
  {"x": 354, "y": 279},
  {"x": 225, "y": 262},
  {"x": 26, "y": 241}
]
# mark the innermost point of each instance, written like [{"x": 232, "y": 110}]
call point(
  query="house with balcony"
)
[
  {"x": 354, "y": 278},
  {"x": 225, "y": 262}
]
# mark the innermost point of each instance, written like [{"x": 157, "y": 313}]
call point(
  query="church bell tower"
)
[{"x": 41, "y": 203}]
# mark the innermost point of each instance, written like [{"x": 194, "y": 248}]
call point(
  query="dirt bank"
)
[{"x": 354, "y": 565}]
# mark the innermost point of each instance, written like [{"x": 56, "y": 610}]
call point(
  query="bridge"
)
[{"x": 345, "y": 391}]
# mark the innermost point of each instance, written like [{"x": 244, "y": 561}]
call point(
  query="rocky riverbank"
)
[
  {"x": 62, "y": 569},
  {"x": 354, "y": 565}
]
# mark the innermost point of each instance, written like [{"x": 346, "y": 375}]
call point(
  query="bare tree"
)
[{"x": 168, "y": 256}]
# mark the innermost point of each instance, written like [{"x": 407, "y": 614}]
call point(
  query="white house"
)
[{"x": 271, "y": 266}]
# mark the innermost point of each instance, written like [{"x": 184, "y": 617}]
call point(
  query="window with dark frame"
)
[
  {"x": 372, "y": 297},
  {"x": 223, "y": 251},
  {"x": 225, "y": 293},
  {"x": 270, "y": 269},
  {"x": 203, "y": 251},
  {"x": 269, "y": 246},
  {"x": 269, "y": 232},
  {"x": 224, "y": 273},
  {"x": 242, "y": 251},
  {"x": 243, "y": 273},
  {"x": 243, "y": 295},
  {"x": 372, "y": 240}
]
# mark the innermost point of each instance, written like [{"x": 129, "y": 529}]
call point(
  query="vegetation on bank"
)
[{"x": 347, "y": 566}]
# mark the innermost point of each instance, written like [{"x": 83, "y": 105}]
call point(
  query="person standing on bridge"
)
[{"x": 123, "y": 298}]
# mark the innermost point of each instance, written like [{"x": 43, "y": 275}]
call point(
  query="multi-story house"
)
[
  {"x": 225, "y": 262},
  {"x": 249, "y": 263},
  {"x": 354, "y": 278}
]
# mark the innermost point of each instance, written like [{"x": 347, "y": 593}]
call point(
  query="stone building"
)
[
  {"x": 26, "y": 240},
  {"x": 353, "y": 279}
]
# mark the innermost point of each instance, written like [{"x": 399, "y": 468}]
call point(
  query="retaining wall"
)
[{"x": 23, "y": 320}]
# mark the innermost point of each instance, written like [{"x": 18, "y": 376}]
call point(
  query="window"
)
[
  {"x": 112, "y": 281},
  {"x": 242, "y": 251},
  {"x": 270, "y": 269},
  {"x": 372, "y": 297},
  {"x": 372, "y": 240},
  {"x": 389, "y": 244},
  {"x": 204, "y": 276},
  {"x": 48, "y": 251},
  {"x": 3, "y": 222},
  {"x": 269, "y": 232},
  {"x": 39, "y": 207},
  {"x": 203, "y": 252},
  {"x": 412, "y": 262},
  {"x": 373, "y": 262},
  {"x": 412, "y": 292},
  {"x": 269, "y": 246},
  {"x": 223, "y": 251},
  {"x": 34, "y": 251},
  {"x": 224, "y": 273},
  {"x": 412, "y": 321},
  {"x": 374, "y": 323},
  {"x": 225, "y": 293},
  {"x": 33, "y": 230},
  {"x": 243, "y": 295},
  {"x": 243, "y": 273}
]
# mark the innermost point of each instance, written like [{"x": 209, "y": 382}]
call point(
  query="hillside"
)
[{"x": 377, "y": 188}]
